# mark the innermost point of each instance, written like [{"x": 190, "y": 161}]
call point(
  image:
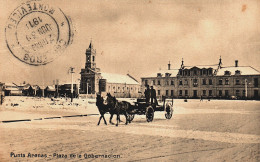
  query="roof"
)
[
  {"x": 12, "y": 89},
  {"x": 41, "y": 87},
  {"x": 244, "y": 70},
  {"x": 118, "y": 78},
  {"x": 202, "y": 66},
  {"x": 50, "y": 88},
  {"x": 173, "y": 73},
  {"x": 10, "y": 85}
]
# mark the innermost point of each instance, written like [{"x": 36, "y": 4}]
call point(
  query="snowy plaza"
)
[{"x": 56, "y": 130}]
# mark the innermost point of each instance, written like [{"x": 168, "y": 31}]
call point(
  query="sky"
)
[{"x": 141, "y": 36}]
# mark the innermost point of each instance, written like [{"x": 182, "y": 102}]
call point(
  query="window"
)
[
  {"x": 180, "y": 92},
  {"x": 237, "y": 92},
  {"x": 255, "y": 93},
  {"x": 146, "y": 82},
  {"x": 185, "y": 82},
  {"x": 220, "y": 81},
  {"x": 204, "y": 81},
  {"x": 159, "y": 75},
  {"x": 180, "y": 82},
  {"x": 159, "y": 92},
  {"x": 204, "y": 92},
  {"x": 166, "y": 82},
  {"x": 220, "y": 93},
  {"x": 226, "y": 93},
  {"x": 210, "y": 71},
  {"x": 172, "y": 82},
  {"x": 131, "y": 88},
  {"x": 167, "y": 93},
  {"x": 195, "y": 93},
  {"x": 93, "y": 58},
  {"x": 237, "y": 81},
  {"x": 195, "y": 82},
  {"x": 255, "y": 82},
  {"x": 204, "y": 72},
  {"x": 227, "y": 73},
  {"x": 226, "y": 81},
  {"x": 167, "y": 74},
  {"x": 159, "y": 83},
  {"x": 210, "y": 92},
  {"x": 244, "y": 93},
  {"x": 113, "y": 88},
  {"x": 186, "y": 92},
  {"x": 195, "y": 72},
  {"x": 171, "y": 92},
  {"x": 210, "y": 81},
  {"x": 118, "y": 87},
  {"x": 153, "y": 82},
  {"x": 237, "y": 72}
]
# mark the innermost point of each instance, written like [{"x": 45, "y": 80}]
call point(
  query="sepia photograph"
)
[{"x": 130, "y": 80}]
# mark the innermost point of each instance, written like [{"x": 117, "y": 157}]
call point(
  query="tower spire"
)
[
  {"x": 182, "y": 63},
  {"x": 220, "y": 61},
  {"x": 90, "y": 44}
]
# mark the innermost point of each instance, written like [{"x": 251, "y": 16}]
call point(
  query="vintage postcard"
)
[{"x": 129, "y": 80}]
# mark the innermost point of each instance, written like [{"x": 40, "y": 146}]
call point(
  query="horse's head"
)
[
  {"x": 110, "y": 100},
  {"x": 99, "y": 99}
]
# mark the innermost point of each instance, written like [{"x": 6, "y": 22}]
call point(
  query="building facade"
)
[
  {"x": 211, "y": 81},
  {"x": 94, "y": 81}
]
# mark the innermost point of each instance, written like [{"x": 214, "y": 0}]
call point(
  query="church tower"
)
[
  {"x": 90, "y": 57},
  {"x": 90, "y": 75}
]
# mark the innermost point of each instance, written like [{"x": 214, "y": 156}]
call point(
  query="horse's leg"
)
[
  {"x": 111, "y": 117},
  {"x": 117, "y": 119},
  {"x": 99, "y": 120},
  {"x": 126, "y": 118},
  {"x": 104, "y": 119}
]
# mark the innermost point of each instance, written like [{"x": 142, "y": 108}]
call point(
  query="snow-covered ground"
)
[{"x": 216, "y": 130}]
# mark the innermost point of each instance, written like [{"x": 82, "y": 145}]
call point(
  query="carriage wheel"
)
[
  {"x": 149, "y": 114},
  {"x": 130, "y": 117},
  {"x": 168, "y": 112}
]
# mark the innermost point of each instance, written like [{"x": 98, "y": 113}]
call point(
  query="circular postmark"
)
[{"x": 36, "y": 32}]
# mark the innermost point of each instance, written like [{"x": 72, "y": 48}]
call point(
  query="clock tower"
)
[
  {"x": 90, "y": 75},
  {"x": 90, "y": 58}
]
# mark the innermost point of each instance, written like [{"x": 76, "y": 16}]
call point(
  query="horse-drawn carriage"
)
[{"x": 141, "y": 107}]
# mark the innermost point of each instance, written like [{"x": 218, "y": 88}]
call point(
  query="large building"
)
[
  {"x": 211, "y": 81},
  {"x": 94, "y": 81}
]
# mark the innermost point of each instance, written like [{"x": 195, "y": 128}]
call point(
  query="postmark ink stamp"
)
[{"x": 36, "y": 32}]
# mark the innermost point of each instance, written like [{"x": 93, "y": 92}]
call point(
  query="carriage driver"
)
[
  {"x": 147, "y": 94},
  {"x": 153, "y": 96}
]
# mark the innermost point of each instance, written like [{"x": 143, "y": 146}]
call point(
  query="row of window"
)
[
  {"x": 204, "y": 93},
  {"x": 123, "y": 88},
  {"x": 204, "y": 82},
  {"x": 196, "y": 72}
]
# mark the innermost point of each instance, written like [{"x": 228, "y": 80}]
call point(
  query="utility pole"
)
[
  {"x": 71, "y": 90},
  {"x": 246, "y": 87},
  {"x": 87, "y": 87}
]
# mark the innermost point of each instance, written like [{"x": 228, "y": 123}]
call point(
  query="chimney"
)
[
  {"x": 169, "y": 66},
  {"x": 236, "y": 63}
]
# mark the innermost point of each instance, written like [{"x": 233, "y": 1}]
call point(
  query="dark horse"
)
[
  {"x": 117, "y": 107},
  {"x": 102, "y": 108}
]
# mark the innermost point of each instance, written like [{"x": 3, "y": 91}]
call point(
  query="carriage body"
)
[{"x": 141, "y": 107}]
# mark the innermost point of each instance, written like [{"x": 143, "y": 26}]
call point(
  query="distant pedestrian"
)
[
  {"x": 147, "y": 94},
  {"x": 201, "y": 98}
]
